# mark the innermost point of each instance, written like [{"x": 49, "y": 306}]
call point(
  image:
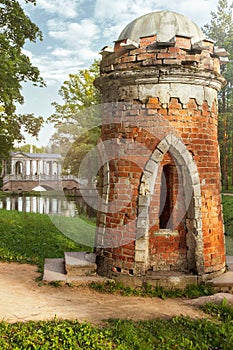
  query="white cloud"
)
[
  {"x": 198, "y": 11},
  {"x": 105, "y": 9},
  {"x": 74, "y": 45},
  {"x": 56, "y": 67},
  {"x": 71, "y": 48},
  {"x": 111, "y": 9},
  {"x": 75, "y": 30},
  {"x": 124, "y": 11},
  {"x": 63, "y": 8},
  {"x": 77, "y": 33},
  {"x": 60, "y": 52},
  {"x": 55, "y": 24}
]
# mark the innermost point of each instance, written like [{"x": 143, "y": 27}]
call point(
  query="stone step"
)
[
  {"x": 170, "y": 279},
  {"x": 224, "y": 283},
  {"x": 80, "y": 263},
  {"x": 54, "y": 271}
]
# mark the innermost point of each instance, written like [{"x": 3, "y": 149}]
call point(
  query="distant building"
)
[
  {"x": 36, "y": 172},
  {"x": 29, "y": 164}
]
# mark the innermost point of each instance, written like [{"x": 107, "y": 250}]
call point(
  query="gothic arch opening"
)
[
  {"x": 166, "y": 203},
  {"x": 173, "y": 241}
]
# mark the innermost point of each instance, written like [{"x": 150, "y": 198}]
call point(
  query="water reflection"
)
[{"x": 47, "y": 205}]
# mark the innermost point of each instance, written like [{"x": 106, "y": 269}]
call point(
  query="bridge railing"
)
[
  {"x": 70, "y": 177},
  {"x": 40, "y": 177}
]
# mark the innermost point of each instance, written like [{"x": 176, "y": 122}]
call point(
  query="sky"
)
[{"x": 74, "y": 32}]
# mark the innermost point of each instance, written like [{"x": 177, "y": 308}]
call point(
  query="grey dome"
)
[{"x": 165, "y": 24}]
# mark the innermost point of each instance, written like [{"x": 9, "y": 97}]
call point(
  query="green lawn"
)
[
  {"x": 163, "y": 334},
  {"x": 30, "y": 238},
  {"x": 227, "y": 202}
]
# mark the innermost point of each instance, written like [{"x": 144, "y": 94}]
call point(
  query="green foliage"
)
[
  {"x": 79, "y": 95},
  {"x": 11, "y": 130},
  {"x": 53, "y": 335},
  {"x": 191, "y": 291},
  {"x": 223, "y": 312},
  {"x": 164, "y": 334},
  {"x": 229, "y": 245},
  {"x": 227, "y": 202},
  {"x": 220, "y": 29},
  {"x": 76, "y": 155},
  {"x": 26, "y": 148},
  {"x": 30, "y": 238},
  {"x": 77, "y": 119},
  {"x": 15, "y": 29},
  {"x": 176, "y": 333}
]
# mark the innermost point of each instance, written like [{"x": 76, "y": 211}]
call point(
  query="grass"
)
[
  {"x": 163, "y": 334},
  {"x": 230, "y": 189},
  {"x": 30, "y": 238},
  {"x": 227, "y": 202},
  {"x": 191, "y": 291},
  {"x": 53, "y": 334},
  {"x": 222, "y": 312},
  {"x": 27, "y": 237},
  {"x": 176, "y": 333},
  {"x": 79, "y": 229}
]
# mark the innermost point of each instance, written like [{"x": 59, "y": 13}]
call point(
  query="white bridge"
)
[{"x": 27, "y": 171}]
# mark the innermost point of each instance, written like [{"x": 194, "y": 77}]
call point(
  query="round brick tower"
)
[{"x": 160, "y": 214}]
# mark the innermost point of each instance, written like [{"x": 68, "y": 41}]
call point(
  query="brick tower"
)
[{"x": 160, "y": 211}]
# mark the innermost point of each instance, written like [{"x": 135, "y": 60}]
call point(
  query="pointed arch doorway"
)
[{"x": 169, "y": 225}]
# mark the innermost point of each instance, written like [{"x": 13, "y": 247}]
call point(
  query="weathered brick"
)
[
  {"x": 168, "y": 97},
  {"x": 182, "y": 42},
  {"x": 146, "y": 41}
]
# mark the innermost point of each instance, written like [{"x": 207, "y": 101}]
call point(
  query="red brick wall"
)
[{"x": 137, "y": 79}]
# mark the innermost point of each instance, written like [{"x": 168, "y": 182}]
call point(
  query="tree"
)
[
  {"x": 77, "y": 152},
  {"x": 220, "y": 30},
  {"x": 28, "y": 148},
  {"x": 78, "y": 94},
  {"x": 76, "y": 119},
  {"x": 15, "y": 29}
]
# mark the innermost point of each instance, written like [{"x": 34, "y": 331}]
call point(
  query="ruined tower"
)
[{"x": 160, "y": 211}]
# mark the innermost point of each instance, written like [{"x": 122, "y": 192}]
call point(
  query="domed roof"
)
[{"x": 165, "y": 24}]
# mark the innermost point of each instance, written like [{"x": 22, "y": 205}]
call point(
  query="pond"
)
[{"x": 55, "y": 205}]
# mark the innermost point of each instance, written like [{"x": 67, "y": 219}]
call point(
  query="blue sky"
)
[{"x": 75, "y": 31}]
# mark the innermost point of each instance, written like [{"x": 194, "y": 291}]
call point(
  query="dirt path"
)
[{"x": 21, "y": 299}]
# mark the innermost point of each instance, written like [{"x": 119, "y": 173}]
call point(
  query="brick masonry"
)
[{"x": 159, "y": 137}]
